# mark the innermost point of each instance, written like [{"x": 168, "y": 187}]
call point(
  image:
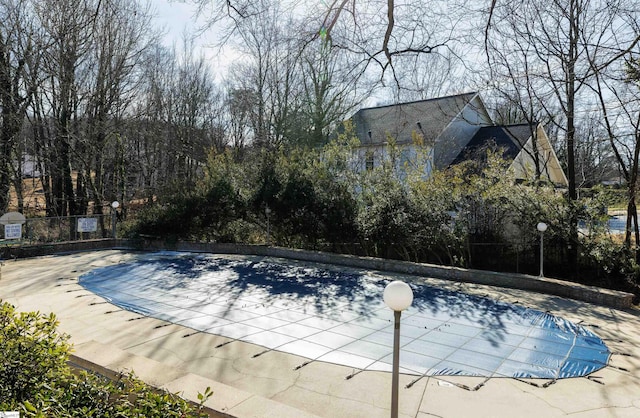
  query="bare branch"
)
[{"x": 387, "y": 34}]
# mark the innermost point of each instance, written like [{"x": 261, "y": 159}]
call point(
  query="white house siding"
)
[
  {"x": 524, "y": 165},
  {"x": 409, "y": 158}
]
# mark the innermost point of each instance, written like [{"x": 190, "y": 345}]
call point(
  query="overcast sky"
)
[{"x": 177, "y": 17}]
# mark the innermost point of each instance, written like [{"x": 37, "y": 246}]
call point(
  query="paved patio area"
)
[{"x": 271, "y": 385}]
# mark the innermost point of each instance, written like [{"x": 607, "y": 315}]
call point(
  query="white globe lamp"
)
[
  {"x": 541, "y": 227},
  {"x": 114, "y": 205},
  {"x": 398, "y": 296}
]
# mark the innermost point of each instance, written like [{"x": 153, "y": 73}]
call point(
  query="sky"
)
[
  {"x": 178, "y": 17},
  {"x": 175, "y": 16}
]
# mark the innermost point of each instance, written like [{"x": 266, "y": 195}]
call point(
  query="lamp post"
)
[
  {"x": 398, "y": 296},
  {"x": 114, "y": 205},
  {"x": 267, "y": 212},
  {"x": 541, "y": 228}
]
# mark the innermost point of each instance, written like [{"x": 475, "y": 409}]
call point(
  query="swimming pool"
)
[{"x": 336, "y": 315}]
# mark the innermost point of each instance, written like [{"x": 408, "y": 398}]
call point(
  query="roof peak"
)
[
  {"x": 433, "y": 99},
  {"x": 510, "y": 125}
]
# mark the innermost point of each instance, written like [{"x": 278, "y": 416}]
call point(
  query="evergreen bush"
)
[{"x": 36, "y": 380}]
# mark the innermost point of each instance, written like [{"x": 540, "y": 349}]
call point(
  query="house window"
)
[{"x": 369, "y": 161}]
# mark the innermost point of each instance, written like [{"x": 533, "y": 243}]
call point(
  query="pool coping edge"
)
[{"x": 592, "y": 294}]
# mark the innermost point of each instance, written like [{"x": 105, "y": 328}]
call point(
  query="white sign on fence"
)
[
  {"x": 13, "y": 231},
  {"x": 87, "y": 224}
]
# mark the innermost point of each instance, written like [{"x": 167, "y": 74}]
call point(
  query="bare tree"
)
[
  {"x": 515, "y": 85},
  {"x": 618, "y": 95},
  {"x": 238, "y": 104},
  {"x": 269, "y": 72},
  {"x": 148, "y": 129},
  {"x": 18, "y": 57},
  {"x": 292, "y": 84},
  {"x": 93, "y": 49},
  {"x": 557, "y": 46},
  {"x": 427, "y": 76},
  {"x": 105, "y": 110},
  {"x": 380, "y": 34},
  {"x": 67, "y": 26},
  {"x": 595, "y": 160},
  {"x": 544, "y": 49},
  {"x": 194, "y": 94},
  {"x": 332, "y": 89},
  {"x": 258, "y": 42},
  {"x": 175, "y": 120},
  {"x": 121, "y": 35}
]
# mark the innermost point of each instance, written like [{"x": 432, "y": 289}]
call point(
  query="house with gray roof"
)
[{"x": 444, "y": 131}]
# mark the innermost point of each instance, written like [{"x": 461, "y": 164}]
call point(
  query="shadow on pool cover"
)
[{"x": 337, "y": 315}]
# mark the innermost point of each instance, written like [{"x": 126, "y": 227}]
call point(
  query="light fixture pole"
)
[
  {"x": 541, "y": 228},
  {"x": 114, "y": 206},
  {"x": 398, "y": 296},
  {"x": 267, "y": 212}
]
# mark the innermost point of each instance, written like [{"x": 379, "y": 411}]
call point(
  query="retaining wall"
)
[{"x": 600, "y": 296}]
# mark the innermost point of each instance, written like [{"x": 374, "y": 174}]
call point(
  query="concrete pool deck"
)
[{"x": 107, "y": 338}]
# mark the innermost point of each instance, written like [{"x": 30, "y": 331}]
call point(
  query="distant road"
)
[{"x": 617, "y": 224}]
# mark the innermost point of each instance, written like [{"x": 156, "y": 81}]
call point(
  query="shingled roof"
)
[
  {"x": 426, "y": 117},
  {"x": 511, "y": 138}
]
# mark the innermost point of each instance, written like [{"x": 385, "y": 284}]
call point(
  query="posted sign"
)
[
  {"x": 87, "y": 224},
  {"x": 13, "y": 231}
]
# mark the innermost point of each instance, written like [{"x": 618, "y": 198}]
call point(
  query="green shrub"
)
[
  {"x": 33, "y": 353},
  {"x": 36, "y": 380},
  {"x": 474, "y": 214},
  {"x": 201, "y": 215}
]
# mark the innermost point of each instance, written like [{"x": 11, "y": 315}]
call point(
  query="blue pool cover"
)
[{"x": 337, "y": 315}]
